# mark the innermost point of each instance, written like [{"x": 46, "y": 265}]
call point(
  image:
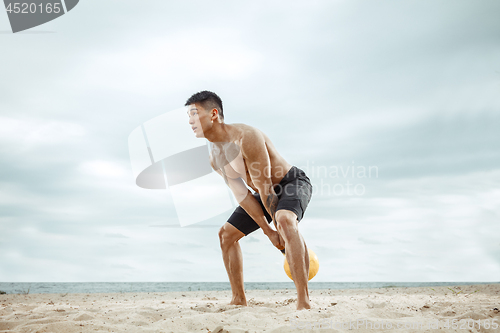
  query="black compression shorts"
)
[{"x": 294, "y": 193}]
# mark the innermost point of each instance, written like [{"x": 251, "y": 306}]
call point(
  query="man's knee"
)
[
  {"x": 228, "y": 235},
  {"x": 286, "y": 222},
  {"x": 223, "y": 235}
]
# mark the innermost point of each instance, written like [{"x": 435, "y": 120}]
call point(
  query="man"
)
[{"x": 245, "y": 156}]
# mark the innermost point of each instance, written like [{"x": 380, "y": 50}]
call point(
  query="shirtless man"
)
[{"x": 245, "y": 156}]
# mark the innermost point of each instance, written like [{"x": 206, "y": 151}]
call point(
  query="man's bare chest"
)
[{"x": 228, "y": 158}]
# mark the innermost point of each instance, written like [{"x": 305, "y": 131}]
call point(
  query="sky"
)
[{"x": 391, "y": 108}]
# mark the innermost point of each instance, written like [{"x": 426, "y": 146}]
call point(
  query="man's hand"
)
[{"x": 276, "y": 239}]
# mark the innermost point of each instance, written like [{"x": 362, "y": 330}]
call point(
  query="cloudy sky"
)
[{"x": 407, "y": 89}]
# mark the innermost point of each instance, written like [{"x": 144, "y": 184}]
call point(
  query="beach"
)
[{"x": 465, "y": 308}]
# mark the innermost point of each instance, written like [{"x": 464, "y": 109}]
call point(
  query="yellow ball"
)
[{"x": 313, "y": 265}]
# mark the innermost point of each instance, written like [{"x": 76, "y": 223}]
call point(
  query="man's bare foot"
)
[
  {"x": 238, "y": 301},
  {"x": 304, "y": 306}
]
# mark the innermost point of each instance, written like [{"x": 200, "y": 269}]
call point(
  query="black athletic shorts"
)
[{"x": 294, "y": 193}]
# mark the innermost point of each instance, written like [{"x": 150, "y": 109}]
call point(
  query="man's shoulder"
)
[
  {"x": 250, "y": 140},
  {"x": 247, "y": 132},
  {"x": 244, "y": 127}
]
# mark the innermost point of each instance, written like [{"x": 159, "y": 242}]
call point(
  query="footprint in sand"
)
[
  {"x": 204, "y": 308},
  {"x": 83, "y": 317},
  {"x": 372, "y": 305}
]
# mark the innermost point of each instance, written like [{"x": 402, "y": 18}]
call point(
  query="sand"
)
[{"x": 357, "y": 310}]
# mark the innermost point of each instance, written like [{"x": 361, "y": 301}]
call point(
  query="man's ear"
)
[{"x": 215, "y": 114}]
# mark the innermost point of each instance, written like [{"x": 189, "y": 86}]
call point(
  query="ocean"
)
[{"x": 140, "y": 287}]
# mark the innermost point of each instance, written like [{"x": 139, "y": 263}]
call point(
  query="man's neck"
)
[{"x": 219, "y": 133}]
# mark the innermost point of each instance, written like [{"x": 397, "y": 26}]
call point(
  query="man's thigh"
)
[{"x": 295, "y": 198}]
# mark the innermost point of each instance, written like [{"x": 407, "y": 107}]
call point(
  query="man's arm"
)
[
  {"x": 255, "y": 152},
  {"x": 246, "y": 200},
  {"x": 249, "y": 204}
]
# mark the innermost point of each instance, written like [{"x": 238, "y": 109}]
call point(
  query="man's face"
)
[{"x": 199, "y": 119}]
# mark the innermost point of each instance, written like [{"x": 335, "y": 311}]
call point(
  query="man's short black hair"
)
[{"x": 208, "y": 100}]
